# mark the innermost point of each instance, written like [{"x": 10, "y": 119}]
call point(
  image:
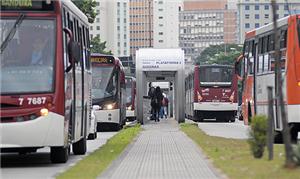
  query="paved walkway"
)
[{"x": 161, "y": 151}]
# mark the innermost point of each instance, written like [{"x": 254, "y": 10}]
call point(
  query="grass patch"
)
[
  {"x": 234, "y": 157},
  {"x": 94, "y": 164}
]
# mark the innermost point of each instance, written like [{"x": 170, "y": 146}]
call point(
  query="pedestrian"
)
[
  {"x": 151, "y": 94},
  {"x": 157, "y": 103},
  {"x": 166, "y": 106}
]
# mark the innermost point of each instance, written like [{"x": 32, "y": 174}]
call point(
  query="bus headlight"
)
[
  {"x": 44, "y": 112},
  {"x": 109, "y": 106},
  {"x": 129, "y": 108},
  {"x": 298, "y": 83}
]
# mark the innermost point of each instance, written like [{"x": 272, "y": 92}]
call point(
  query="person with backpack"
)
[
  {"x": 165, "y": 104},
  {"x": 151, "y": 94},
  {"x": 156, "y": 101}
]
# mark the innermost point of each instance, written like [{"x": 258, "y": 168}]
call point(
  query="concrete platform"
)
[{"x": 161, "y": 151}]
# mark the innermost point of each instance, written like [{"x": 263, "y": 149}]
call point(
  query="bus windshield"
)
[
  {"x": 27, "y": 56},
  {"x": 215, "y": 76},
  {"x": 104, "y": 82}
]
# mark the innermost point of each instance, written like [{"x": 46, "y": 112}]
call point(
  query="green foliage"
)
[
  {"x": 258, "y": 135},
  {"x": 296, "y": 151},
  {"x": 95, "y": 163},
  {"x": 99, "y": 47},
  {"x": 87, "y": 7},
  {"x": 216, "y": 54}
]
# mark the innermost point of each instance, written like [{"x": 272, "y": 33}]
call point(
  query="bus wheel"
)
[
  {"x": 92, "y": 136},
  {"x": 59, "y": 154},
  {"x": 79, "y": 148}
]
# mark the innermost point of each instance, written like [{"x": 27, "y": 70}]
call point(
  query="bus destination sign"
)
[
  {"x": 107, "y": 60},
  {"x": 27, "y": 5}
]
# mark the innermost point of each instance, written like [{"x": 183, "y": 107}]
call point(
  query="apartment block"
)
[
  {"x": 112, "y": 25},
  {"x": 256, "y": 13},
  {"x": 204, "y": 23}
]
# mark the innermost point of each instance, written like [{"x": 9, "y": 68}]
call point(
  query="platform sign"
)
[{"x": 160, "y": 60}]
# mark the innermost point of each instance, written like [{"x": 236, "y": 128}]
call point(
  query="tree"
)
[
  {"x": 99, "y": 47},
  {"x": 220, "y": 54},
  {"x": 88, "y": 8}
]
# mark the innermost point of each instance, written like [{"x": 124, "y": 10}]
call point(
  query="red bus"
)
[
  {"x": 45, "y": 77},
  {"x": 131, "y": 98},
  {"x": 257, "y": 72},
  {"x": 108, "y": 92},
  {"x": 211, "y": 92}
]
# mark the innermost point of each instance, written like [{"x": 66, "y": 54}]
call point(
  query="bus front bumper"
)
[
  {"x": 107, "y": 116},
  {"x": 215, "y": 106},
  {"x": 40, "y": 132},
  {"x": 130, "y": 113}
]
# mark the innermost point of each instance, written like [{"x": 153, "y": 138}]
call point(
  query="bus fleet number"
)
[{"x": 33, "y": 101}]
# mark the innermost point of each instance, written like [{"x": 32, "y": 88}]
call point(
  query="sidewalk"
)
[{"x": 161, "y": 151}]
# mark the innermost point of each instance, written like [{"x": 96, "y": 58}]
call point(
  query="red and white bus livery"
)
[
  {"x": 130, "y": 98},
  {"x": 45, "y": 77},
  {"x": 108, "y": 91},
  {"x": 257, "y": 72},
  {"x": 211, "y": 92}
]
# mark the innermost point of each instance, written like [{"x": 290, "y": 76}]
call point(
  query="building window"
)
[
  {"x": 118, "y": 4},
  {"x": 118, "y": 20},
  {"x": 98, "y": 27},
  {"x": 118, "y": 27},
  {"x": 97, "y": 19},
  {"x": 91, "y": 28},
  {"x": 247, "y": 16},
  {"x": 118, "y": 44},
  {"x": 98, "y": 11},
  {"x": 160, "y": 9},
  {"x": 247, "y": 25},
  {"x": 256, "y": 16},
  {"x": 256, "y": 7},
  {"x": 160, "y": 2},
  {"x": 160, "y": 33},
  {"x": 247, "y": 7},
  {"x": 256, "y": 25},
  {"x": 267, "y": 7},
  {"x": 160, "y": 17},
  {"x": 161, "y": 25},
  {"x": 125, "y": 44},
  {"x": 266, "y": 16},
  {"x": 160, "y": 41},
  {"x": 97, "y": 4}
]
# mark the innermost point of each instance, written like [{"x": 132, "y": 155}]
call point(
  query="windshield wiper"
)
[{"x": 12, "y": 32}]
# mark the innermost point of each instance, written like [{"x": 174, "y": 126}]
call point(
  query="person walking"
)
[
  {"x": 166, "y": 106},
  {"x": 157, "y": 100},
  {"x": 151, "y": 94}
]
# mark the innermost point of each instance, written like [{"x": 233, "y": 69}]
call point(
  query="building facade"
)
[
  {"x": 204, "y": 23},
  {"x": 256, "y": 13},
  {"x": 166, "y": 23},
  {"x": 141, "y": 25},
  {"x": 112, "y": 25}
]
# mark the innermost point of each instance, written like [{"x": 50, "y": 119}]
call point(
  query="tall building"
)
[
  {"x": 166, "y": 23},
  {"x": 256, "y": 13},
  {"x": 112, "y": 25},
  {"x": 141, "y": 25},
  {"x": 204, "y": 23}
]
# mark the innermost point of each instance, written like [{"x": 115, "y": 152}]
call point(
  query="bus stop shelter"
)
[{"x": 160, "y": 65}]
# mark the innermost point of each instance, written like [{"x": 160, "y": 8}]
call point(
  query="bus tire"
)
[
  {"x": 59, "y": 154},
  {"x": 79, "y": 148},
  {"x": 92, "y": 136}
]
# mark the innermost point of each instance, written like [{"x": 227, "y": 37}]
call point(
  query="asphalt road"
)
[
  {"x": 234, "y": 130},
  {"x": 38, "y": 165}
]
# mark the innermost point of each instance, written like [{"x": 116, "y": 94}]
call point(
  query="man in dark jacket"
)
[
  {"x": 151, "y": 94},
  {"x": 157, "y": 100}
]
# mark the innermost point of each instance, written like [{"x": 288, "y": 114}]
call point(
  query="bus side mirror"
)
[
  {"x": 237, "y": 67},
  {"x": 73, "y": 47}
]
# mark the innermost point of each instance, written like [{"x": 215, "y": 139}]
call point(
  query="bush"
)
[
  {"x": 296, "y": 150},
  {"x": 258, "y": 135}
]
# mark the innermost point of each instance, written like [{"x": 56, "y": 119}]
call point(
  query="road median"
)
[
  {"x": 234, "y": 158},
  {"x": 94, "y": 164}
]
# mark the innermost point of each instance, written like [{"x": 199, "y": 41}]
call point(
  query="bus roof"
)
[
  {"x": 75, "y": 9},
  {"x": 269, "y": 27},
  {"x": 216, "y": 65}
]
